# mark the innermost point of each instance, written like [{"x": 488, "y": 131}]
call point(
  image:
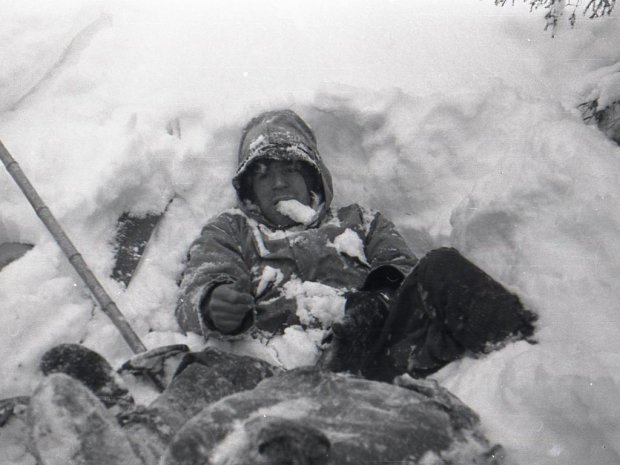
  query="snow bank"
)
[{"x": 457, "y": 122}]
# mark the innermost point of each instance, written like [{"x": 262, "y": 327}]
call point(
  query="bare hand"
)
[{"x": 228, "y": 307}]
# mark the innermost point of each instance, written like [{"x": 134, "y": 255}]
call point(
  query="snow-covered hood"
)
[{"x": 280, "y": 135}]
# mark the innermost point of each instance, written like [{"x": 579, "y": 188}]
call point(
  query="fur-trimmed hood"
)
[{"x": 280, "y": 135}]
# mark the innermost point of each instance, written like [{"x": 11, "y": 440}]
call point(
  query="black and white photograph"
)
[{"x": 310, "y": 232}]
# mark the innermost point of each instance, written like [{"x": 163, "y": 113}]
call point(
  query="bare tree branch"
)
[{"x": 593, "y": 9}]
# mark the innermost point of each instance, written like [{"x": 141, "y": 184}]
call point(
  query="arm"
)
[
  {"x": 215, "y": 285},
  {"x": 388, "y": 254}
]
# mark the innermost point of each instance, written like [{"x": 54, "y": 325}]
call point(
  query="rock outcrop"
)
[{"x": 310, "y": 417}]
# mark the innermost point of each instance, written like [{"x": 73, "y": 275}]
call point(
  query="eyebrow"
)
[{"x": 261, "y": 167}]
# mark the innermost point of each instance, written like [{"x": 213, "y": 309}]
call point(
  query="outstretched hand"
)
[{"x": 228, "y": 307}]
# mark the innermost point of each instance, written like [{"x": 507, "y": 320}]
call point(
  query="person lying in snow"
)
[
  {"x": 246, "y": 271},
  {"x": 387, "y": 314}
]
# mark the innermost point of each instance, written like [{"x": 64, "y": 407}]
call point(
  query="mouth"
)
[{"x": 282, "y": 198}]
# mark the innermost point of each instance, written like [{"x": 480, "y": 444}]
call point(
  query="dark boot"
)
[{"x": 92, "y": 370}]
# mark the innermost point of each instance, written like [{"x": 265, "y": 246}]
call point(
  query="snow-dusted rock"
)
[
  {"x": 305, "y": 416},
  {"x": 70, "y": 425}
]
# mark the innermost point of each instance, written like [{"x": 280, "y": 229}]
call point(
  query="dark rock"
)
[
  {"x": 71, "y": 426},
  {"x": 282, "y": 441},
  {"x": 205, "y": 377},
  {"x": 310, "y": 417},
  {"x": 133, "y": 233},
  {"x": 9, "y": 406},
  {"x": 606, "y": 118},
  {"x": 91, "y": 369},
  {"x": 11, "y": 251}
]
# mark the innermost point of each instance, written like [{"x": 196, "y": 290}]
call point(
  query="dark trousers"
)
[{"x": 447, "y": 307}]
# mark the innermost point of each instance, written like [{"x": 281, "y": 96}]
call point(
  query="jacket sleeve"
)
[
  {"x": 387, "y": 252},
  {"x": 215, "y": 258}
]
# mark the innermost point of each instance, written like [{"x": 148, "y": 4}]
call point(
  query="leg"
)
[
  {"x": 352, "y": 341},
  {"x": 447, "y": 307}
]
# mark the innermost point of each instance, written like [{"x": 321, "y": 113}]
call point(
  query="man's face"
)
[{"x": 274, "y": 181}]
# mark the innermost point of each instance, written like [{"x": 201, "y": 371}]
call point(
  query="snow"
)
[
  {"x": 349, "y": 243},
  {"x": 317, "y": 304},
  {"x": 456, "y": 120},
  {"x": 270, "y": 277},
  {"x": 256, "y": 232},
  {"x": 296, "y": 347},
  {"x": 297, "y": 211}
]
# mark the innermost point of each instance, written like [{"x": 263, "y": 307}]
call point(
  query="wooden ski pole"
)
[{"x": 43, "y": 212}]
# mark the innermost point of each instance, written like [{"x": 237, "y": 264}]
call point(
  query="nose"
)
[{"x": 279, "y": 180}]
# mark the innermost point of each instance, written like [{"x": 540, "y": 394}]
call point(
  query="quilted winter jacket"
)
[{"x": 240, "y": 246}]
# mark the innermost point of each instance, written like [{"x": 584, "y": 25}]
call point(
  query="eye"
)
[
  {"x": 260, "y": 172},
  {"x": 291, "y": 168}
]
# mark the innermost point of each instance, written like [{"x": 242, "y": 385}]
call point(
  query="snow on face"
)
[{"x": 298, "y": 212}]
